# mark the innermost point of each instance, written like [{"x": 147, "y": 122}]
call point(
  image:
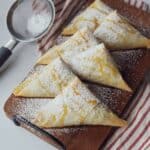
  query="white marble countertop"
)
[{"x": 12, "y": 137}]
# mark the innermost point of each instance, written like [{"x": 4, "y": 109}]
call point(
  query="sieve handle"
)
[{"x": 6, "y": 51}]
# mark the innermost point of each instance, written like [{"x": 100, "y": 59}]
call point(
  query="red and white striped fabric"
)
[
  {"x": 142, "y": 4},
  {"x": 136, "y": 136}
]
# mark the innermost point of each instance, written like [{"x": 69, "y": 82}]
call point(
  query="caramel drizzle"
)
[
  {"x": 65, "y": 112},
  {"x": 43, "y": 86}
]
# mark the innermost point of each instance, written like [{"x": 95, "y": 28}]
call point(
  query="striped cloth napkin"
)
[
  {"x": 142, "y": 4},
  {"x": 136, "y": 136}
]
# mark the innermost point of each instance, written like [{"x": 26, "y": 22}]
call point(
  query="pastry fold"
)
[
  {"x": 79, "y": 42},
  {"x": 90, "y": 18},
  {"x": 117, "y": 33},
  {"x": 48, "y": 57},
  {"x": 96, "y": 65},
  {"x": 48, "y": 83},
  {"x": 76, "y": 105}
]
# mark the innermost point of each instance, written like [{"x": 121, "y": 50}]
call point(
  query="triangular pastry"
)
[
  {"x": 48, "y": 57},
  {"x": 76, "y": 105},
  {"x": 117, "y": 33},
  {"x": 80, "y": 41},
  {"x": 48, "y": 83},
  {"x": 96, "y": 65},
  {"x": 90, "y": 18}
]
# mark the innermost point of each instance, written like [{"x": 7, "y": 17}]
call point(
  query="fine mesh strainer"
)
[{"x": 27, "y": 21}]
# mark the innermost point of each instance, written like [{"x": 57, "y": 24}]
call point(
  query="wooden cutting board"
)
[{"x": 132, "y": 63}]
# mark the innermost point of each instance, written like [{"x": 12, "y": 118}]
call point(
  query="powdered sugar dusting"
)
[
  {"x": 28, "y": 107},
  {"x": 79, "y": 42},
  {"x": 56, "y": 76},
  {"x": 68, "y": 131},
  {"x": 128, "y": 58},
  {"x": 117, "y": 33},
  {"x": 110, "y": 96},
  {"x": 75, "y": 102}
]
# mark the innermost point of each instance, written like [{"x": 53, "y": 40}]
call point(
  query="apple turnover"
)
[
  {"x": 96, "y": 65},
  {"x": 79, "y": 42},
  {"x": 48, "y": 83},
  {"x": 90, "y": 18},
  {"x": 117, "y": 33},
  {"x": 76, "y": 105}
]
